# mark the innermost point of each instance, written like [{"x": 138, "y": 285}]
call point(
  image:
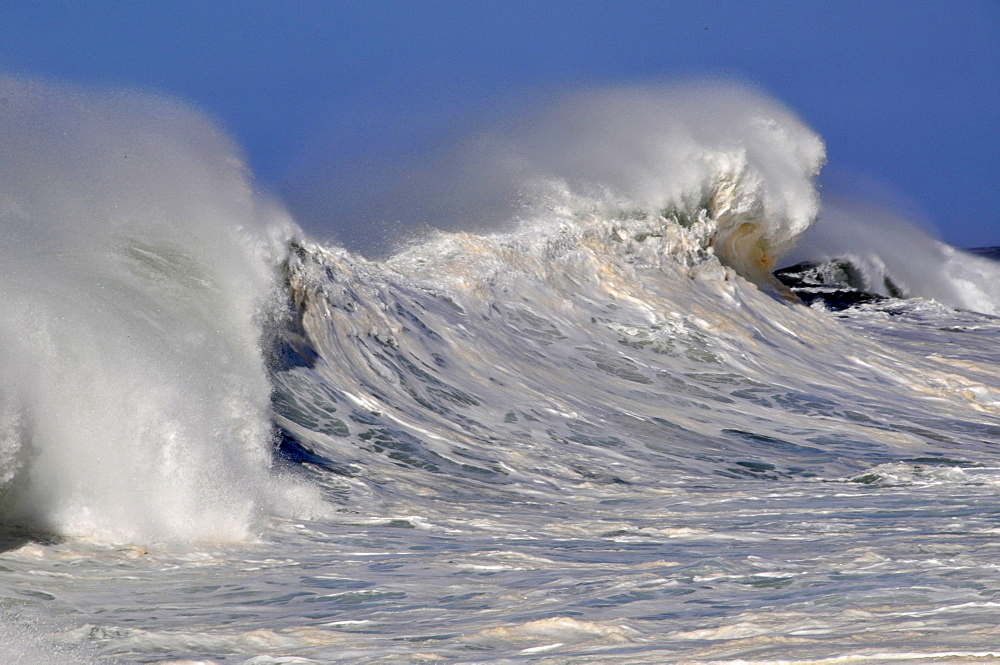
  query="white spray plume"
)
[
  {"x": 606, "y": 150},
  {"x": 653, "y": 147},
  {"x": 136, "y": 268},
  {"x": 898, "y": 257}
]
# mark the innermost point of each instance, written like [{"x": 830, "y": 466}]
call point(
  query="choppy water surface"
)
[{"x": 751, "y": 571}]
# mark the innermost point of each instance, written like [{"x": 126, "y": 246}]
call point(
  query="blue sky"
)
[{"x": 905, "y": 94}]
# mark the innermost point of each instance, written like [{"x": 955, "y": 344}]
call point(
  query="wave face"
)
[
  {"x": 598, "y": 351},
  {"x": 137, "y": 272}
]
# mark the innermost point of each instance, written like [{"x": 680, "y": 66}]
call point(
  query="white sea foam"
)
[{"x": 24, "y": 644}]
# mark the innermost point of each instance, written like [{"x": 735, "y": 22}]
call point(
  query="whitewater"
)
[{"x": 590, "y": 425}]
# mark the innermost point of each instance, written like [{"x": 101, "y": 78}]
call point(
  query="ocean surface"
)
[{"x": 600, "y": 432}]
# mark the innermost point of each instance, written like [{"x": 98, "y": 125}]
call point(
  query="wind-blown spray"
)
[
  {"x": 137, "y": 274},
  {"x": 893, "y": 257}
]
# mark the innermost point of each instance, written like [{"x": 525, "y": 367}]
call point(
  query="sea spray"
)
[
  {"x": 137, "y": 272},
  {"x": 717, "y": 149},
  {"x": 890, "y": 255}
]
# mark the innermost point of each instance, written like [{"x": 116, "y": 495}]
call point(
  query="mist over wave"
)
[
  {"x": 661, "y": 150},
  {"x": 601, "y": 150},
  {"x": 137, "y": 283},
  {"x": 895, "y": 257}
]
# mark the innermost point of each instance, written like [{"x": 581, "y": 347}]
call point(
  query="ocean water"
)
[{"x": 603, "y": 432}]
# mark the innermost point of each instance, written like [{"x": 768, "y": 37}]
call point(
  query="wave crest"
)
[{"x": 723, "y": 162}]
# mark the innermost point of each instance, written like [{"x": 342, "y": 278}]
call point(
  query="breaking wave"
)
[
  {"x": 137, "y": 284},
  {"x": 170, "y": 338}
]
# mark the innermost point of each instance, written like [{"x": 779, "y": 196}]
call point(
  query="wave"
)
[
  {"x": 590, "y": 352},
  {"x": 170, "y": 336},
  {"x": 137, "y": 277},
  {"x": 531, "y": 366},
  {"x": 621, "y": 335}
]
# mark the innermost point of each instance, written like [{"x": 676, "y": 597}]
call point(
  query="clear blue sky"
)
[{"x": 904, "y": 93}]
